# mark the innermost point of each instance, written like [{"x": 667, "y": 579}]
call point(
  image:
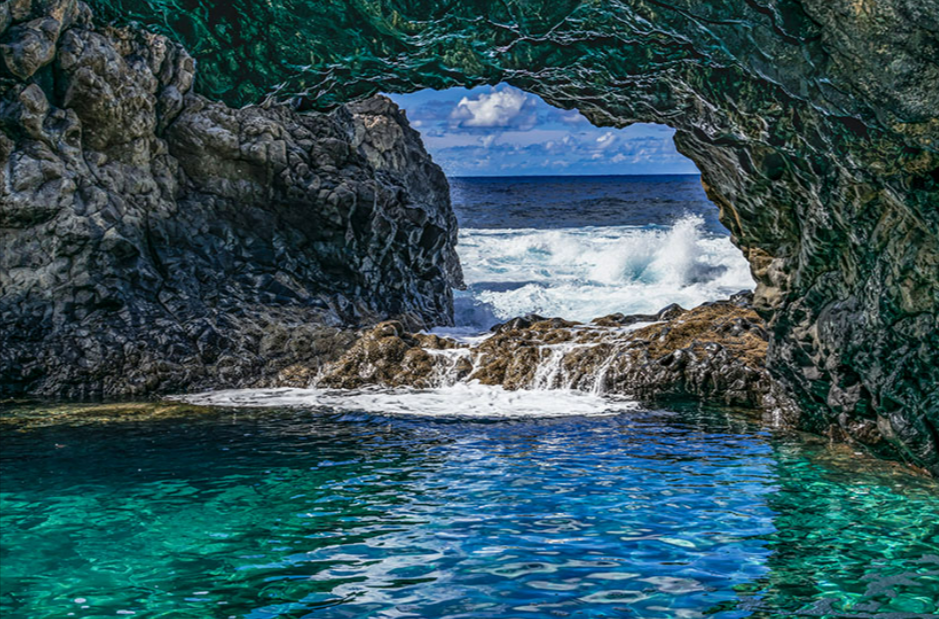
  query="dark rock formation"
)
[
  {"x": 815, "y": 124},
  {"x": 715, "y": 352},
  {"x": 152, "y": 240}
]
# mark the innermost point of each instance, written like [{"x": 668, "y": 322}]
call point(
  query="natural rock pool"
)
[{"x": 214, "y": 512}]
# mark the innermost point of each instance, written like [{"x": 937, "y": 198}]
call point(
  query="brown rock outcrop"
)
[{"x": 715, "y": 352}]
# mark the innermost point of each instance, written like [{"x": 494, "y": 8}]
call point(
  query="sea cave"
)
[{"x": 214, "y": 208}]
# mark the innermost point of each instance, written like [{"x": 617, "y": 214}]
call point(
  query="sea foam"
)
[
  {"x": 583, "y": 273},
  {"x": 460, "y": 401}
]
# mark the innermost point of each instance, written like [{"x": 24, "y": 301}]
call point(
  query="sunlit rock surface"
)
[
  {"x": 715, "y": 352},
  {"x": 152, "y": 240},
  {"x": 814, "y": 124}
]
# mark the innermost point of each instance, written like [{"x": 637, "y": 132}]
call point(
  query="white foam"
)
[
  {"x": 460, "y": 401},
  {"x": 583, "y": 273},
  {"x": 467, "y": 334}
]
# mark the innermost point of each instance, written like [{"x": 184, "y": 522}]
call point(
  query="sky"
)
[{"x": 503, "y": 131}]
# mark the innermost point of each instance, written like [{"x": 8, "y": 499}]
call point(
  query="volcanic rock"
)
[
  {"x": 715, "y": 352},
  {"x": 152, "y": 240}
]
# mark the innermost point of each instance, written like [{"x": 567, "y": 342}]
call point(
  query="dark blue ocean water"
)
[{"x": 547, "y": 202}]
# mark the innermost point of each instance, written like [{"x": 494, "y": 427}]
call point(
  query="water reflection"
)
[{"x": 684, "y": 513}]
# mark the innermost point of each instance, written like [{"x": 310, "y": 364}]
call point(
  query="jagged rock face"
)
[
  {"x": 715, "y": 352},
  {"x": 815, "y": 124},
  {"x": 152, "y": 240}
]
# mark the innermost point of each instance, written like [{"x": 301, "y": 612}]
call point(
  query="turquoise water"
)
[{"x": 279, "y": 513}]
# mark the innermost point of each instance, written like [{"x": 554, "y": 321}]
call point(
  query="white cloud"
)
[
  {"x": 606, "y": 140},
  {"x": 505, "y": 130},
  {"x": 502, "y": 108}
]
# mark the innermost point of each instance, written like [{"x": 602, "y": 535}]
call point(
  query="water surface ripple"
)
[{"x": 298, "y": 513}]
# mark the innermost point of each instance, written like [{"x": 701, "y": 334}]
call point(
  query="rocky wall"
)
[{"x": 152, "y": 240}]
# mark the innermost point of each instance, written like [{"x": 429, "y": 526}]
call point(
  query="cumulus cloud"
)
[
  {"x": 505, "y": 130},
  {"x": 606, "y": 140},
  {"x": 508, "y": 107}
]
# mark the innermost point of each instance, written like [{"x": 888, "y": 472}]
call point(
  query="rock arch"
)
[{"x": 815, "y": 124}]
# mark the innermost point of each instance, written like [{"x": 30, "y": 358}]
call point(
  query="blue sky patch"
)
[{"x": 503, "y": 131}]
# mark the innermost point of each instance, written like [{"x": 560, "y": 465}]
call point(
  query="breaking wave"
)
[{"x": 582, "y": 273}]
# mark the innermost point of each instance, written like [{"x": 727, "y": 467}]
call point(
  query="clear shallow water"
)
[
  {"x": 583, "y": 247},
  {"x": 293, "y": 513}
]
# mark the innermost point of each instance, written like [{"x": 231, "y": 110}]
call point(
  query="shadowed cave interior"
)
[{"x": 821, "y": 157}]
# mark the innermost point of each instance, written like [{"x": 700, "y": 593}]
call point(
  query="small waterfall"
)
[
  {"x": 552, "y": 372},
  {"x": 599, "y": 379},
  {"x": 447, "y": 368},
  {"x": 548, "y": 370},
  {"x": 567, "y": 365}
]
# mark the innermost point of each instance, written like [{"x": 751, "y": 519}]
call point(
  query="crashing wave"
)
[{"x": 581, "y": 273}]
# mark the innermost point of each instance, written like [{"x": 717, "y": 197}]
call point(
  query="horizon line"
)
[{"x": 567, "y": 175}]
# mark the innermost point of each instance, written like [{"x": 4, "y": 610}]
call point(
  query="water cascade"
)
[{"x": 715, "y": 352}]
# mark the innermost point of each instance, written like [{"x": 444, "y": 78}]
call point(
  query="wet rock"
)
[
  {"x": 387, "y": 356},
  {"x": 520, "y": 322},
  {"x": 715, "y": 352},
  {"x": 621, "y": 320},
  {"x": 744, "y": 298}
]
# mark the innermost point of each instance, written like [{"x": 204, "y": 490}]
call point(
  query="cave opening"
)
[{"x": 563, "y": 218}]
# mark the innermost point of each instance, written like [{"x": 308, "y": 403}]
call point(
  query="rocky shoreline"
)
[{"x": 715, "y": 352}]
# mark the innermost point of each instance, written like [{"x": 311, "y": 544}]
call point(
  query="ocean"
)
[{"x": 581, "y": 247}]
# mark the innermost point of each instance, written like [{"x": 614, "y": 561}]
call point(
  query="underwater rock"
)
[
  {"x": 152, "y": 240},
  {"x": 715, "y": 352}
]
